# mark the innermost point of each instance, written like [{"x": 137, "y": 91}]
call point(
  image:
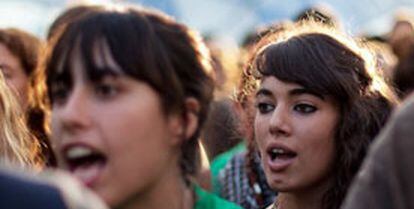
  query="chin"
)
[
  {"x": 279, "y": 185},
  {"x": 280, "y": 189},
  {"x": 108, "y": 197},
  {"x": 112, "y": 202}
]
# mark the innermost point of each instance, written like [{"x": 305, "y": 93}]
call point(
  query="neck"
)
[
  {"x": 170, "y": 192},
  {"x": 306, "y": 199},
  {"x": 293, "y": 201}
]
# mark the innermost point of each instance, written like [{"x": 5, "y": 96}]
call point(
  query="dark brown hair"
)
[
  {"x": 69, "y": 15},
  {"x": 148, "y": 46},
  {"x": 323, "y": 60}
]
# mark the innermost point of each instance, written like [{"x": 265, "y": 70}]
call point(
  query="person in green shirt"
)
[
  {"x": 129, "y": 90},
  {"x": 220, "y": 162},
  {"x": 205, "y": 200}
]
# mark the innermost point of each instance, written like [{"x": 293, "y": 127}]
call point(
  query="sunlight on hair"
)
[
  {"x": 203, "y": 52},
  {"x": 357, "y": 46},
  {"x": 113, "y": 5},
  {"x": 17, "y": 146},
  {"x": 90, "y": 2},
  {"x": 203, "y": 155}
]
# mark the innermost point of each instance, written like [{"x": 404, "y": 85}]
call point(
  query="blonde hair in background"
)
[{"x": 18, "y": 147}]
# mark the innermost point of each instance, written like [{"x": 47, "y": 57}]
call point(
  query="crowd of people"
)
[{"x": 124, "y": 107}]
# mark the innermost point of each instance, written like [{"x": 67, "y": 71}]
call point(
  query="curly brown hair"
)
[{"x": 324, "y": 60}]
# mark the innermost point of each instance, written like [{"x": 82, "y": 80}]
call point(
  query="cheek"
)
[
  {"x": 55, "y": 140},
  {"x": 322, "y": 139},
  {"x": 18, "y": 81},
  {"x": 55, "y": 128},
  {"x": 326, "y": 157},
  {"x": 320, "y": 147},
  {"x": 260, "y": 127},
  {"x": 138, "y": 138},
  {"x": 138, "y": 158}
]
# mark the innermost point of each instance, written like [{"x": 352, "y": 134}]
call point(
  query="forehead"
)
[
  {"x": 5, "y": 52},
  {"x": 9, "y": 61},
  {"x": 274, "y": 84}
]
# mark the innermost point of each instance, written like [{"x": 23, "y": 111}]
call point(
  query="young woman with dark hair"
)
[
  {"x": 319, "y": 103},
  {"x": 129, "y": 90}
]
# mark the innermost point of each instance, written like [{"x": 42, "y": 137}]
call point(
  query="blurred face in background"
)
[{"x": 14, "y": 74}]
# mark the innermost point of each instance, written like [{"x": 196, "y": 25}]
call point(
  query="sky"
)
[{"x": 225, "y": 19}]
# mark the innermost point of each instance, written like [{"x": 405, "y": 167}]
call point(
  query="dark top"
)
[
  {"x": 386, "y": 179},
  {"x": 19, "y": 193}
]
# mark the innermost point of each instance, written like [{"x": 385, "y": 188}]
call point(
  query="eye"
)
[
  {"x": 105, "y": 90},
  {"x": 6, "y": 72},
  {"x": 7, "y": 75},
  {"x": 264, "y": 107},
  {"x": 59, "y": 92},
  {"x": 304, "y": 108}
]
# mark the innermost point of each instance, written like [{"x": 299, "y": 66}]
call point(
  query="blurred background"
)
[{"x": 227, "y": 20}]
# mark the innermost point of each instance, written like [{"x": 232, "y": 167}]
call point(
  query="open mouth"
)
[
  {"x": 280, "y": 153},
  {"x": 85, "y": 163},
  {"x": 280, "y": 158}
]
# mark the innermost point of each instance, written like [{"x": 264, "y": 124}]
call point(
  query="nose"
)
[
  {"x": 73, "y": 115},
  {"x": 280, "y": 122}
]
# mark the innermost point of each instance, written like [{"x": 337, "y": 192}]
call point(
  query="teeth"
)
[
  {"x": 78, "y": 152},
  {"x": 278, "y": 151}
]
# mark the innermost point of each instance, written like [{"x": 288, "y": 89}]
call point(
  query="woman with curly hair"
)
[{"x": 319, "y": 103}]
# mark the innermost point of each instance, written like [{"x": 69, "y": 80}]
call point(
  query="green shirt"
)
[
  {"x": 206, "y": 200},
  {"x": 220, "y": 162}
]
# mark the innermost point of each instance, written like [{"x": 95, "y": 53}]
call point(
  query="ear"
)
[
  {"x": 191, "y": 114},
  {"x": 183, "y": 126}
]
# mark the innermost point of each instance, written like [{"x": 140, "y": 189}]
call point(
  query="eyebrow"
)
[
  {"x": 263, "y": 92},
  {"x": 300, "y": 91},
  {"x": 97, "y": 74},
  {"x": 293, "y": 92}
]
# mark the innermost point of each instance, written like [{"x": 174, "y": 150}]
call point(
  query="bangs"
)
[
  {"x": 95, "y": 38},
  {"x": 94, "y": 56},
  {"x": 145, "y": 45},
  {"x": 302, "y": 62}
]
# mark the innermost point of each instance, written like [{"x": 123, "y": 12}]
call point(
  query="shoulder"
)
[
  {"x": 206, "y": 200},
  {"x": 405, "y": 111},
  {"x": 396, "y": 136},
  {"x": 19, "y": 192},
  {"x": 74, "y": 194},
  {"x": 48, "y": 190},
  {"x": 386, "y": 170}
]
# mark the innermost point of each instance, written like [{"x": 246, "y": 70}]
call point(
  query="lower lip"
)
[
  {"x": 278, "y": 165},
  {"x": 89, "y": 174}
]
